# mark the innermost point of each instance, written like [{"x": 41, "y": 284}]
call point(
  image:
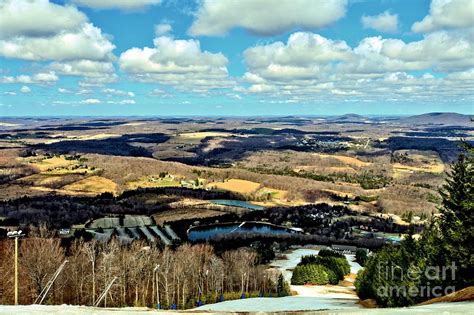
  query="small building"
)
[
  {"x": 187, "y": 184},
  {"x": 297, "y": 229},
  {"x": 64, "y": 231}
]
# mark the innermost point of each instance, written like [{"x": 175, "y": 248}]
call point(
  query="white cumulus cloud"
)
[
  {"x": 179, "y": 63},
  {"x": 63, "y": 90},
  {"x": 111, "y": 92},
  {"x": 88, "y": 42},
  {"x": 162, "y": 29},
  {"x": 25, "y": 89},
  {"x": 122, "y": 102},
  {"x": 310, "y": 67},
  {"x": 91, "y": 101},
  {"x": 39, "y": 30},
  {"x": 86, "y": 68},
  {"x": 384, "y": 22},
  {"x": 38, "y": 78},
  {"x": 93, "y": 72},
  {"x": 37, "y": 18},
  {"x": 447, "y": 14},
  {"x": 265, "y": 17},
  {"x": 302, "y": 57},
  {"x": 441, "y": 50}
]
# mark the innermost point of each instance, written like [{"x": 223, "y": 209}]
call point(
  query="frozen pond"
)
[{"x": 211, "y": 231}]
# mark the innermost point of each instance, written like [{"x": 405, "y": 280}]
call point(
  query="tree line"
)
[
  {"x": 441, "y": 261},
  {"x": 366, "y": 179},
  {"x": 144, "y": 275}
]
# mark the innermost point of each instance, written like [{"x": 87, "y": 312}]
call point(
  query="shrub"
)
[
  {"x": 308, "y": 259},
  {"x": 374, "y": 282},
  {"x": 327, "y": 267},
  {"x": 332, "y": 276},
  {"x": 368, "y": 280},
  {"x": 366, "y": 198},
  {"x": 339, "y": 266},
  {"x": 329, "y": 253},
  {"x": 309, "y": 274},
  {"x": 361, "y": 256}
]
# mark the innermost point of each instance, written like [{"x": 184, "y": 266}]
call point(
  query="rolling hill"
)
[{"x": 450, "y": 119}]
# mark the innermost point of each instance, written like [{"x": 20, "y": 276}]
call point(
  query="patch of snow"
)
[
  {"x": 287, "y": 264},
  {"x": 288, "y": 303},
  {"x": 254, "y": 305},
  {"x": 355, "y": 267},
  {"x": 291, "y": 260},
  {"x": 70, "y": 310},
  {"x": 322, "y": 299},
  {"x": 325, "y": 291}
]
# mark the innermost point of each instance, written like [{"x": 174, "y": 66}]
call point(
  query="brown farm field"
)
[
  {"x": 52, "y": 163},
  {"x": 93, "y": 184},
  {"x": 153, "y": 181},
  {"x": 345, "y": 160},
  {"x": 236, "y": 185}
]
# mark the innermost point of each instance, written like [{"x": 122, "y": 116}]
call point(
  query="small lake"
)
[
  {"x": 237, "y": 203},
  {"x": 211, "y": 231}
]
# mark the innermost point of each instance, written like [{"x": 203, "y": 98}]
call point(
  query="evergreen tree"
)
[
  {"x": 283, "y": 288},
  {"x": 361, "y": 256},
  {"x": 447, "y": 240},
  {"x": 457, "y": 218}
]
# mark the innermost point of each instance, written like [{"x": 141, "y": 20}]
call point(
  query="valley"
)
[{"x": 168, "y": 184}]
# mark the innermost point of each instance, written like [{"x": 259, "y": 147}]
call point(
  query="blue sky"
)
[{"x": 247, "y": 57}]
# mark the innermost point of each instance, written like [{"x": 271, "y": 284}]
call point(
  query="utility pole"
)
[
  {"x": 16, "y": 270},
  {"x": 264, "y": 280},
  {"x": 16, "y": 235},
  {"x": 207, "y": 280}
]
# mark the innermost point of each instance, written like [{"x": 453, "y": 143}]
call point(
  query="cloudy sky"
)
[{"x": 236, "y": 57}]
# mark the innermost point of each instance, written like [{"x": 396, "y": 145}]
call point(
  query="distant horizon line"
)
[{"x": 226, "y": 116}]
